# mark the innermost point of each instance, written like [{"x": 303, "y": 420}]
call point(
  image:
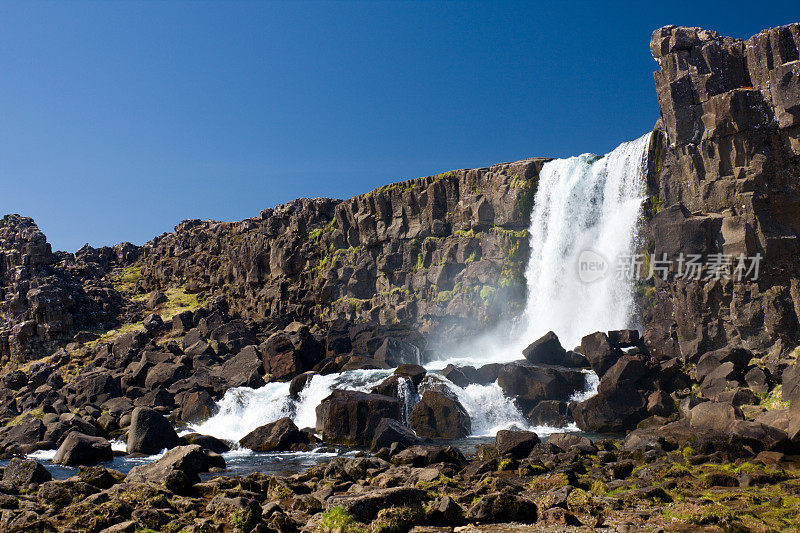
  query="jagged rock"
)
[
  {"x": 546, "y": 350},
  {"x": 599, "y": 351},
  {"x": 155, "y": 299},
  {"x": 149, "y": 432},
  {"x": 759, "y": 380},
  {"x": 503, "y": 507},
  {"x": 244, "y": 369},
  {"x": 518, "y": 444},
  {"x": 439, "y": 415},
  {"x": 350, "y": 417},
  {"x": 80, "y": 449},
  {"x": 281, "y": 435},
  {"x": 613, "y": 411},
  {"x": 197, "y": 406},
  {"x": 390, "y": 431},
  {"x": 415, "y": 373},
  {"x": 300, "y": 382},
  {"x": 24, "y": 471},
  {"x": 460, "y": 375},
  {"x": 659, "y": 403},
  {"x": 553, "y": 413},
  {"x": 529, "y": 385}
]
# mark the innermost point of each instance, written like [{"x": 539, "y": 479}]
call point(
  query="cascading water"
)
[
  {"x": 585, "y": 215},
  {"x": 583, "y": 204}
]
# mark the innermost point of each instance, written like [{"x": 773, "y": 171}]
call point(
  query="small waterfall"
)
[
  {"x": 408, "y": 396},
  {"x": 585, "y": 214}
]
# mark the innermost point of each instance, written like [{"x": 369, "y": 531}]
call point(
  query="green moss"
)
[
  {"x": 487, "y": 294},
  {"x": 315, "y": 234},
  {"x": 773, "y": 400},
  {"x": 125, "y": 279},
  {"x": 397, "y": 519},
  {"x": 338, "y": 520}
]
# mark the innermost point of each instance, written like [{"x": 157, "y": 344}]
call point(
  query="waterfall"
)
[
  {"x": 583, "y": 227},
  {"x": 586, "y": 209}
]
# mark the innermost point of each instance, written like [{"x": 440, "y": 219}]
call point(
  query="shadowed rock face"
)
[
  {"x": 728, "y": 166},
  {"x": 45, "y": 297}
]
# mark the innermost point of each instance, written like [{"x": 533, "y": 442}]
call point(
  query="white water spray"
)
[{"x": 583, "y": 229}]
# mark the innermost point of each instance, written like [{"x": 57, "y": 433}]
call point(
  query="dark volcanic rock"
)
[
  {"x": 552, "y": 413},
  {"x": 519, "y": 444},
  {"x": 24, "y": 471},
  {"x": 281, "y": 435},
  {"x": 178, "y": 469},
  {"x": 149, "y": 432},
  {"x": 390, "y": 431},
  {"x": 439, "y": 415},
  {"x": 530, "y": 385},
  {"x": 599, "y": 351},
  {"x": 350, "y": 417},
  {"x": 546, "y": 350},
  {"x": 80, "y": 449}
]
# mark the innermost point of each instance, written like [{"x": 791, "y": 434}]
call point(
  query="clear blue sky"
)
[{"x": 119, "y": 119}]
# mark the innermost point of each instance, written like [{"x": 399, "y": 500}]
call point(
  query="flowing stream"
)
[{"x": 584, "y": 205}]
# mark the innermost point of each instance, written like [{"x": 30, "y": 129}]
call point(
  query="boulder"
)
[
  {"x": 624, "y": 338},
  {"x": 281, "y": 435},
  {"x": 570, "y": 441},
  {"x": 553, "y": 413},
  {"x": 80, "y": 449},
  {"x": 611, "y": 412},
  {"x": 503, "y": 507},
  {"x": 208, "y": 442},
  {"x": 299, "y": 383},
  {"x": 659, "y": 403},
  {"x": 529, "y": 385},
  {"x": 518, "y": 444},
  {"x": 415, "y": 373},
  {"x": 460, "y": 376},
  {"x": 395, "y": 352},
  {"x": 351, "y": 417},
  {"x": 288, "y": 354},
  {"x": 439, "y": 415},
  {"x": 421, "y": 456},
  {"x": 714, "y": 416},
  {"x": 23, "y": 471},
  {"x": 178, "y": 469},
  {"x": 150, "y": 432},
  {"x": 244, "y": 369},
  {"x": 546, "y": 350},
  {"x": 364, "y": 506},
  {"x": 390, "y": 431},
  {"x": 197, "y": 406},
  {"x": 599, "y": 351}
]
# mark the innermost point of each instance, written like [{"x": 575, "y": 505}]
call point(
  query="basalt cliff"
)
[{"x": 697, "y": 412}]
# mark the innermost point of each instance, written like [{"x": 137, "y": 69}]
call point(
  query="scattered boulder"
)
[
  {"x": 427, "y": 455},
  {"x": 530, "y": 385},
  {"x": 390, "y": 431},
  {"x": 570, "y": 441},
  {"x": 299, "y": 383},
  {"x": 351, "y": 417},
  {"x": 518, "y": 444},
  {"x": 24, "y": 471},
  {"x": 150, "y": 432},
  {"x": 439, "y": 415},
  {"x": 599, "y": 351},
  {"x": 281, "y": 435},
  {"x": 553, "y": 413},
  {"x": 415, "y": 373},
  {"x": 179, "y": 468},
  {"x": 546, "y": 350},
  {"x": 80, "y": 449},
  {"x": 365, "y": 506}
]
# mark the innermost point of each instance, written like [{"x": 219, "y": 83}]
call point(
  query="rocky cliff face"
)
[
  {"x": 45, "y": 297},
  {"x": 728, "y": 184},
  {"x": 441, "y": 252}
]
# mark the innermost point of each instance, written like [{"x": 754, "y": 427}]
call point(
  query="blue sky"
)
[{"x": 120, "y": 119}]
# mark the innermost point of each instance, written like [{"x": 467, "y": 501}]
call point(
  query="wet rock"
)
[
  {"x": 518, "y": 444},
  {"x": 244, "y": 369},
  {"x": 460, "y": 375},
  {"x": 149, "y": 432},
  {"x": 281, "y": 435},
  {"x": 599, "y": 351},
  {"x": 530, "y": 385},
  {"x": 350, "y": 417},
  {"x": 439, "y": 415},
  {"x": 208, "y": 442},
  {"x": 180, "y": 466},
  {"x": 299, "y": 383},
  {"x": 390, "y": 431},
  {"x": 24, "y": 471},
  {"x": 80, "y": 449},
  {"x": 551, "y": 413},
  {"x": 546, "y": 350},
  {"x": 197, "y": 406},
  {"x": 415, "y": 373}
]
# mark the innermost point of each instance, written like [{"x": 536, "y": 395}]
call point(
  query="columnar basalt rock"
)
[
  {"x": 443, "y": 251},
  {"x": 727, "y": 184},
  {"x": 46, "y": 297}
]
